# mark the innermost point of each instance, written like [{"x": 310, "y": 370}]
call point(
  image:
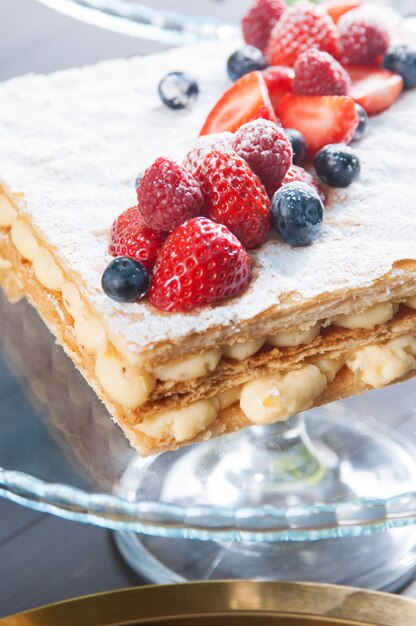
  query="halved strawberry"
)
[
  {"x": 337, "y": 8},
  {"x": 320, "y": 119},
  {"x": 375, "y": 89},
  {"x": 246, "y": 100},
  {"x": 279, "y": 81}
]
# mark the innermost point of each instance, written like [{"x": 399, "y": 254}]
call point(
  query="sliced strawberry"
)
[
  {"x": 246, "y": 100},
  {"x": 279, "y": 81},
  {"x": 337, "y": 8},
  {"x": 375, "y": 89},
  {"x": 320, "y": 119}
]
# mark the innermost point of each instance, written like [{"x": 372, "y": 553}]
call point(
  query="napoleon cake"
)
[{"x": 236, "y": 297}]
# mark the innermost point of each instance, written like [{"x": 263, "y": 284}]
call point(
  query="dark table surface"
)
[{"x": 43, "y": 558}]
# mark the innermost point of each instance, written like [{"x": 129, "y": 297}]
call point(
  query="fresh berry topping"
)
[
  {"x": 178, "y": 90},
  {"x": 245, "y": 60},
  {"x": 259, "y": 21},
  {"x": 298, "y": 143},
  {"x": 362, "y": 38},
  {"x": 201, "y": 262},
  {"x": 320, "y": 119},
  {"x": 337, "y": 8},
  {"x": 130, "y": 237},
  {"x": 234, "y": 196},
  {"x": 301, "y": 27},
  {"x": 279, "y": 81},
  {"x": 363, "y": 124},
  {"x": 125, "y": 280},
  {"x": 137, "y": 181},
  {"x": 374, "y": 89},
  {"x": 205, "y": 143},
  {"x": 402, "y": 60},
  {"x": 317, "y": 73},
  {"x": 297, "y": 213},
  {"x": 338, "y": 165},
  {"x": 267, "y": 150},
  {"x": 246, "y": 100},
  {"x": 299, "y": 175},
  {"x": 168, "y": 195}
]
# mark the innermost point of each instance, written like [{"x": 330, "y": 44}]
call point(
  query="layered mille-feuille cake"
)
[{"x": 202, "y": 285}]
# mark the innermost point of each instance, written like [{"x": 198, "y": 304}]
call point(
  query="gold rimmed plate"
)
[{"x": 227, "y": 603}]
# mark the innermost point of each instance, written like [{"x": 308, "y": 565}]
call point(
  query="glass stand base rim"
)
[{"x": 145, "y": 556}]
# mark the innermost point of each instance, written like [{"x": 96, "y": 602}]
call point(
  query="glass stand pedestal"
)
[{"x": 327, "y": 459}]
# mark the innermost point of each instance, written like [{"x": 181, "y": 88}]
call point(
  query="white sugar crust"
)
[{"x": 74, "y": 142}]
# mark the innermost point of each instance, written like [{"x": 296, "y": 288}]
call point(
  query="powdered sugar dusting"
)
[{"x": 75, "y": 141}]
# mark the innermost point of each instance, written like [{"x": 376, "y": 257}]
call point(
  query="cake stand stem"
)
[{"x": 324, "y": 456}]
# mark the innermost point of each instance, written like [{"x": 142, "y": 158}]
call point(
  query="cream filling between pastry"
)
[
  {"x": 296, "y": 338},
  {"x": 369, "y": 318},
  {"x": 7, "y": 211},
  {"x": 273, "y": 398},
  {"x": 190, "y": 368},
  {"x": 380, "y": 365}
]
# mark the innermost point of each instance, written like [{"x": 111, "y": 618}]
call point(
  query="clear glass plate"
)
[
  {"x": 172, "y": 22},
  {"x": 350, "y": 474},
  {"x": 176, "y": 22}
]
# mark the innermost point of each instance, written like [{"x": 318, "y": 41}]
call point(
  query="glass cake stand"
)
[
  {"x": 176, "y": 22},
  {"x": 328, "y": 496}
]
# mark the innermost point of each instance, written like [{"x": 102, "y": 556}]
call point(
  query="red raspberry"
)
[
  {"x": 200, "y": 262},
  {"x": 168, "y": 195},
  {"x": 205, "y": 143},
  {"x": 131, "y": 237},
  {"x": 301, "y": 27},
  {"x": 298, "y": 174},
  {"x": 363, "y": 39},
  {"x": 319, "y": 74},
  {"x": 259, "y": 21},
  {"x": 279, "y": 81},
  {"x": 267, "y": 150},
  {"x": 234, "y": 196}
]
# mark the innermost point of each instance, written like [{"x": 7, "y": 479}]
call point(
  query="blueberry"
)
[
  {"x": 363, "y": 125},
  {"x": 297, "y": 213},
  {"x": 337, "y": 164},
  {"x": 246, "y": 59},
  {"x": 298, "y": 145},
  {"x": 125, "y": 280},
  {"x": 178, "y": 90},
  {"x": 402, "y": 60}
]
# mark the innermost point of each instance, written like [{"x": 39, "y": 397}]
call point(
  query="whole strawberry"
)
[
  {"x": 234, "y": 196},
  {"x": 298, "y": 175},
  {"x": 130, "y": 237},
  {"x": 363, "y": 38},
  {"x": 168, "y": 195},
  {"x": 205, "y": 143},
  {"x": 317, "y": 73},
  {"x": 201, "y": 262},
  {"x": 259, "y": 20},
  {"x": 267, "y": 150},
  {"x": 301, "y": 27}
]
